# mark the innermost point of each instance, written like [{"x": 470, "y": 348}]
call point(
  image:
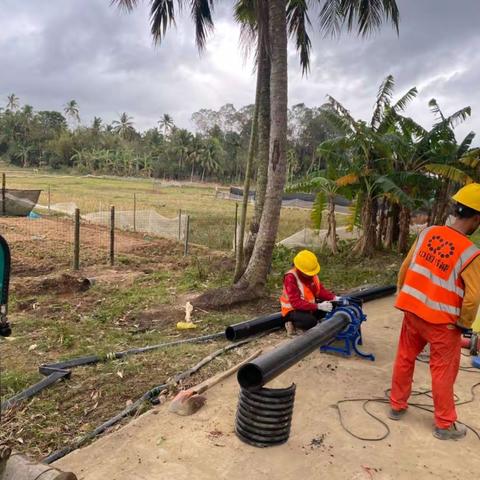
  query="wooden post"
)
[
  {"x": 49, "y": 199},
  {"x": 134, "y": 212},
  {"x": 4, "y": 184},
  {"x": 187, "y": 235},
  {"x": 76, "y": 241},
  {"x": 112, "y": 235},
  {"x": 179, "y": 225},
  {"x": 235, "y": 240}
]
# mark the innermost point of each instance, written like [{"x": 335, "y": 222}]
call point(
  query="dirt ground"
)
[{"x": 160, "y": 445}]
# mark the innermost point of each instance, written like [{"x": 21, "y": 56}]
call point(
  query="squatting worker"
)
[
  {"x": 439, "y": 293},
  {"x": 304, "y": 299}
]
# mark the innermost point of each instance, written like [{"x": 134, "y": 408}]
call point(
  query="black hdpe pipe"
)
[
  {"x": 260, "y": 371},
  {"x": 370, "y": 294},
  {"x": 61, "y": 370},
  {"x": 275, "y": 320},
  {"x": 252, "y": 327}
]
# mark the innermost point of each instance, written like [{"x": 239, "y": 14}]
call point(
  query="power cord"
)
[{"x": 428, "y": 407}]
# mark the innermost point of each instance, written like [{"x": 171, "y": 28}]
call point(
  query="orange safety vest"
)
[
  {"x": 433, "y": 288},
  {"x": 305, "y": 292}
]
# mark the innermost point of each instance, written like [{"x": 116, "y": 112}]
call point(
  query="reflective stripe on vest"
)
[
  {"x": 305, "y": 292},
  {"x": 433, "y": 287}
]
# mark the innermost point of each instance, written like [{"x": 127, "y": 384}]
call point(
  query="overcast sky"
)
[{"x": 52, "y": 51}]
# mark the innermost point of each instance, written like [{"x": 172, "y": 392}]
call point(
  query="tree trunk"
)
[
  {"x": 382, "y": 223},
  {"x": 264, "y": 68},
  {"x": 252, "y": 282},
  {"x": 332, "y": 225},
  {"x": 366, "y": 244},
  {"x": 239, "y": 266},
  {"x": 393, "y": 230},
  {"x": 404, "y": 229}
]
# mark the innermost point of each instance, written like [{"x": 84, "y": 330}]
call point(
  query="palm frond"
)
[
  {"x": 384, "y": 96},
  {"x": 162, "y": 15},
  {"x": 349, "y": 179},
  {"x": 459, "y": 116},
  {"x": 297, "y": 21},
  {"x": 317, "y": 210},
  {"x": 449, "y": 172},
  {"x": 354, "y": 218},
  {"x": 465, "y": 145},
  {"x": 127, "y": 5},
  {"x": 361, "y": 15},
  {"x": 340, "y": 109},
  {"x": 402, "y": 103},
  {"x": 201, "y": 12},
  {"x": 434, "y": 107},
  {"x": 388, "y": 186}
]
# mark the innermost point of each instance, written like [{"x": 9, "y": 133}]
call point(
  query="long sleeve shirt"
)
[
  {"x": 471, "y": 280},
  {"x": 295, "y": 297}
]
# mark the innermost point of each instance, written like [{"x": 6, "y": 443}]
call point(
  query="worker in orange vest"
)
[
  {"x": 439, "y": 293},
  {"x": 304, "y": 299}
]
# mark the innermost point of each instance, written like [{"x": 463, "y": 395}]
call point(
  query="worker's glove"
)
[{"x": 325, "y": 306}]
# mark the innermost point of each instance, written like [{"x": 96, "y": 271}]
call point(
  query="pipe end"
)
[{"x": 250, "y": 376}]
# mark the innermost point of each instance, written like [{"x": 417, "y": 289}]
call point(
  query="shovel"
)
[{"x": 189, "y": 401}]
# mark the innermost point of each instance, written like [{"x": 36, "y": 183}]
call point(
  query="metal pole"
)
[
  {"x": 187, "y": 235},
  {"x": 236, "y": 228},
  {"x": 49, "y": 199},
  {"x": 134, "y": 212},
  {"x": 112, "y": 235},
  {"x": 179, "y": 225},
  {"x": 76, "y": 240},
  {"x": 4, "y": 184}
]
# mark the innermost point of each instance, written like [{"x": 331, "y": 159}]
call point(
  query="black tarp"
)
[
  {"x": 305, "y": 197},
  {"x": 18, "y": 203}
]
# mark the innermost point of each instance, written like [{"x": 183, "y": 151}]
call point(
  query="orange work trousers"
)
[{"x": 445, "y": 347}]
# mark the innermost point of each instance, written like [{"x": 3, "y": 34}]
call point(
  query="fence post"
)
[
  {"x": 235, "y": 240},
  {"x": 134, "y": 212},
  {"x": 4, "y": 184},
  {"x": 76, "y": 240},
  {"x": 112, "y": 235},
  {"x": 187, "y": 235},
  {"x": 180, "y": 225},
  {"x": 49, "y": 199}
]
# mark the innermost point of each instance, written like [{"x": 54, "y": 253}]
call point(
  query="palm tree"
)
[
  {"x": 71, "y": 110},
  {"x": 166, "y": 124},
  {"x": 13, "y": 102},
  {"x": 366, "y": 15},
  {"x": 96, "y": 124},
  {"x": 124, "y": 126},
  {"x": 370, "y": 155}
]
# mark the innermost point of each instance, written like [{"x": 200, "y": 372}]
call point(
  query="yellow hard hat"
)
[
  {"x": 469, "y": 195},
  {"x": 307, "y": 263}
]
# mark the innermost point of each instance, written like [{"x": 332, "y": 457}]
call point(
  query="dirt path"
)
[{"x": 159, "y": 445}]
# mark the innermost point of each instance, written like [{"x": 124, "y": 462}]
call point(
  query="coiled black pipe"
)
[
  {"x": 260, "y": 371},
  {"x": 264, "y": 417}
]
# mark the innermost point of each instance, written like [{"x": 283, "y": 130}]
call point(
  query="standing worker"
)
[
  {"x": 304, "y": 299},
  {"x": 439, "y": 293}
]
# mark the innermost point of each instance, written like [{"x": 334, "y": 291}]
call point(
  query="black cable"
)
[{"x": 385, "y": 400}]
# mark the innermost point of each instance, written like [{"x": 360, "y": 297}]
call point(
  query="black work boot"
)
[
  {"x": 454, "y": 432},
  {"x": 396, "y": 414}
]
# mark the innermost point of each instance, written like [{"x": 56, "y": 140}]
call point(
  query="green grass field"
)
[{"x": 212, "y": 219}]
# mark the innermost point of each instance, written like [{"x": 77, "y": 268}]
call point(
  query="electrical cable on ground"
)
[
  {"x": 150, "y": 395},
  {"x": 385, "y": 400}
]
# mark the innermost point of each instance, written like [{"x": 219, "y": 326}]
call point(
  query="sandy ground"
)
[{"x": 160, "y": 445}]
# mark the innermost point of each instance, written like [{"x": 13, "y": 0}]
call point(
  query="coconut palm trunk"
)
[
  {"x": 257, "y": 269},
  {"x": 264, "y": 67},
  {"x": 404, "y": 229},
  {"x": 246, "y": 185}
]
